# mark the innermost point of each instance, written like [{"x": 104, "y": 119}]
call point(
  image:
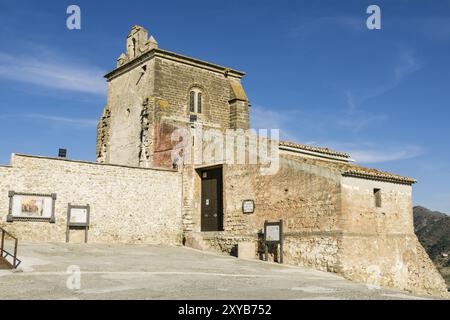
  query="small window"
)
[
  {"x": 377, "y": 197},
  {"x": 199, "y": 102},
  {"x": 195, "y": 101},
  {"x": 192, "y": 101}
]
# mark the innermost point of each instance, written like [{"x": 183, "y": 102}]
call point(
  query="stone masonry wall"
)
[
  {"x": 305, "y": 196},
  {"x": 128, "y": 94},
  {"x": 128, "y": 205},
  {"x": 379, "y": 246},
  {"x": 153, "y": 96},
  {"x": 173, "y": 82},
  {"x": 331, "y": 223}
]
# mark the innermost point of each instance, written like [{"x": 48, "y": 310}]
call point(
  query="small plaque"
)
[{"x": 248, "y": 206}]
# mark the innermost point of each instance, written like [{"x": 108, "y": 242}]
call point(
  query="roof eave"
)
[
  {"x": 157, "y": 52},
  {"x": 391, "y": 179}
]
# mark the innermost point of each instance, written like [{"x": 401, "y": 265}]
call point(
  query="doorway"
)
[{"x": 212, "y": 200}]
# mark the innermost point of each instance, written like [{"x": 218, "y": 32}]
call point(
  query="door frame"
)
[{"x": 220, "y": 196}]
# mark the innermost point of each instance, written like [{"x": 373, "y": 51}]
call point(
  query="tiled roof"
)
[
  {"x": 314, "y": 149},
  {"x": 367, "y": 173},
  {"x": 352, "y": 170}
]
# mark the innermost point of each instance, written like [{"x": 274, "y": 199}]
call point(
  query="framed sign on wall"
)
[
  {"x": 248, "y": 206},
  {"x": 31, "y": 207}
]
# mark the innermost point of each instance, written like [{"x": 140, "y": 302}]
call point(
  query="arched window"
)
[
  {"x": 195, "y": 101},
  {"x": 192, "y": 102},
  {"x": 199, "y": 102}
]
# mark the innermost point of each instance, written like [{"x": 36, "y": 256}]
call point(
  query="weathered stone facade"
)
[
  {"x": 337, "y": 216},
  {"x": 331, "y": 219},
  {"x": 148, "y": 97},
  {"x": 128, "y": 205}
]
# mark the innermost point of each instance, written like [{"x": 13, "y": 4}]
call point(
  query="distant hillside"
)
[
  {"x": 433, "y": 230},
  {"x": 423, "y": 217}
]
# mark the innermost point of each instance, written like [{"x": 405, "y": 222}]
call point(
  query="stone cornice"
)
[{"x": 164, "y": 54}]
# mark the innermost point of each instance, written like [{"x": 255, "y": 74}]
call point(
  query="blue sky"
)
[{"x": 313, "y": 70}]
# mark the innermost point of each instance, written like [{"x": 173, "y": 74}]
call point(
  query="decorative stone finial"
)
[{"x": 137, "y": 44}]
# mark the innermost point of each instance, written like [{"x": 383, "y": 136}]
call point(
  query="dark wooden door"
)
[{"x": 212, "y": 207}]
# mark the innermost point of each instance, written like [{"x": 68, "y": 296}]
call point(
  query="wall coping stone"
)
[{"x": 86, "y": 162}]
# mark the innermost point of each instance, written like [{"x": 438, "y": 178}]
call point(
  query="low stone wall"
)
[
  {"x": 128, "y": 205},
  {"x": 313, "y": 250}
]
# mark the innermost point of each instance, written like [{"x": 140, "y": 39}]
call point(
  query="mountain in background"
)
[{"x": 433, "y": 231}]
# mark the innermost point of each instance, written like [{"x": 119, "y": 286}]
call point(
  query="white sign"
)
[
  {"x": 272, "y": 233},
  {"x": 248, "y": 206},
  {"x": 78, "y": 215}
]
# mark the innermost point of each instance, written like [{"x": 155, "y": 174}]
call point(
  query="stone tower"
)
[{"x": 152, "y": 92}]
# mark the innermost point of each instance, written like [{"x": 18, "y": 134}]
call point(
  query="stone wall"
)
[
  {"x": 306, "y": 196},
  {"x": 331, "y": 222},
  {"x": 150, "y": 95},
  {"x": 127, "y": 96},
  {"x": 128, "y": 205},
  {"x": 379, "y": 246}
]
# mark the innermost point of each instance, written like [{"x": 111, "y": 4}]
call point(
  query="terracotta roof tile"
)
[
  {"x": 368, "y": 173},
  {"x": 314, "y": 149},
  {"x": 352, "y": 170}
]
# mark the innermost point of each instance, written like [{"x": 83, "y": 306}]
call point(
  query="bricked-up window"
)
[
  {"x": 195, "y": 101},
  {"x": 377, "y": 197},
  {"x": 192, "y": 101}
]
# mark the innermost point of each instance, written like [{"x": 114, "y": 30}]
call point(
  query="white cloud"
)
[
  {"x": 355, "y": 117},
  {"x": 262, "y": 118},
  {"x": 74, "y": 121},
  {"x": 52, "y": 71},
  {"x": 407, "y": 64},
  {"x": 375, "y": 152},
  {"x": 386, "y": 155},
  {"x": 312, "y": 27}
]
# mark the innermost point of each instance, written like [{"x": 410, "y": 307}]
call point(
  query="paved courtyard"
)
[{"x": 158, "y": 272}]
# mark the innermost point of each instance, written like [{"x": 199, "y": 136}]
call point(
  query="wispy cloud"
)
[
  {"x": 312, "y": 27},
  {"x": 262, "y": 118},
  {"x": 74, "y": 121},
  {"x": 384, "y": 155},
  {"x": 374, "y": 152},
  {"x": 285, "y": 120},
  {"x": 355, "y": 117},
  {"x": 407, "y": 63},
  {"x": 52, "y": 71}
]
